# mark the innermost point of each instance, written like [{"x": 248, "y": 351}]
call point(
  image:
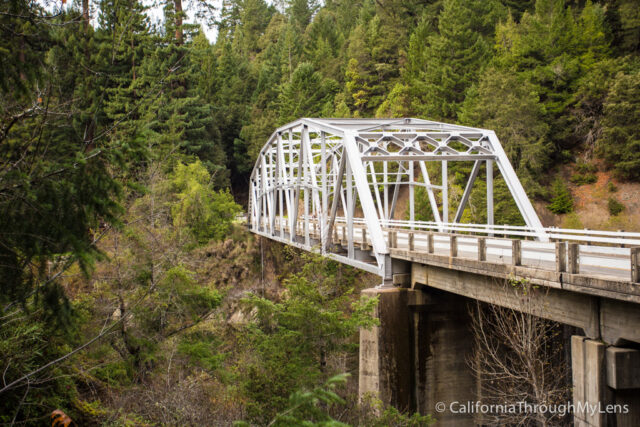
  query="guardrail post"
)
[
  {"x": 391, "y": 236},
  {"x": 516, "y": 252},
  {"x": 482, "y": 249},
  {"x": 411, "y": 241},
  {"x": 430, "y": 243},
  {"x": 344, "y": 234},
  {"x": 453, "y": 246},
  {"x": 364, "y": 237},
  {"x": 573, "y": 254},
  {"x": 561, "y": 257},
  {"x": 635, "y": 264}
]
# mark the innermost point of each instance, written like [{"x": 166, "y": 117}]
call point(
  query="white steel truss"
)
[{"x": 312, "y": 170}]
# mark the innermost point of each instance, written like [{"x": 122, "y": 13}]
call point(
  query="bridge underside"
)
[{"x": 420, "y": 355}]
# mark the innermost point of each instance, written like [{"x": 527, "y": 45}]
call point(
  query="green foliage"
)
[
  {"x": 582, "y": 179},
  {"x": 511, "y": 106},
  {"x": 307, "y": 94},
  {"x": 562, "y": 201},
  {"x": 393, "y": 417},
  {"x": 292, "y": 352},
  {"x": 27, "y": 341},
  {"x": 553, "y": 48},
  {"x": 585, "y": 174},
  {"x": 611, "y": 187},
  {"x": 202, "y": 349},
  {"x": 614, "y": 206},
  {"x": 208, "y": 214},
  {"x": 309, "y": 408},
  {"x": 457, "y": 54},
  {"x": 620, "y": 142}
]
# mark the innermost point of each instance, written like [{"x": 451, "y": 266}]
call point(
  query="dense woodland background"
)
[{"x": 128, "y": 295}]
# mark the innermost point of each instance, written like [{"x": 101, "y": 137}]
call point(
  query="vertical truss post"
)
[
  {"x": 294, "y": 192},
  {"x": 490, "y": 193},
  {"x": 286, "y": 188},
  {"x": 272, "y": 193},
  {"x": 412, "y": 209},
  {"x": 385, "y": 171},
  {"x": 305, "y": 198},
  {"x": 279, "y": 182},
  {"x": 265, "y": 196},
  {"x": 325, "y": 198},
  {"x": 445, "y": 192},
  {"x": 349, "y": 211}
]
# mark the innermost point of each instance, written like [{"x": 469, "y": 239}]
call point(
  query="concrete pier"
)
[
  {"x": 418, "y": 355},
  {"x": 606, "y": 384}
]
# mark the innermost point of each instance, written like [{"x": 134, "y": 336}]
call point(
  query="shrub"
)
[
  {"x": 612, "y": 187},
  {"x": 208, "y": 214},
  {"x": 562, "y": 202},
  {"x": 585, "y": 173},
  {"x": 615, "y": 207},
  {"x": 582, "y": 179}
]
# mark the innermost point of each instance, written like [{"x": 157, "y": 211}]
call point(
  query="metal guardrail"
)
[{"x": 616, "y": 256}]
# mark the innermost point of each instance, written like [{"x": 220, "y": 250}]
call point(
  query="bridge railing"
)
[{"x": 615, "y": 255}]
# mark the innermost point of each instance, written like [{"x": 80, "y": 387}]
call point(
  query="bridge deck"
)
[{"x": 594, "y": 269}]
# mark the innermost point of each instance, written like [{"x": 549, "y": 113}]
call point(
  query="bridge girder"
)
[{"x": 357, "y": 166}]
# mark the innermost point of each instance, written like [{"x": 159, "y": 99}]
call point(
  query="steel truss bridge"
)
[{"x": 347, "y": 188}]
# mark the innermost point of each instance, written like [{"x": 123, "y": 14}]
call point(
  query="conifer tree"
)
[
  {"x": 457, "y": 54},
  {"x": 621, "y": 126},
  {"x": 178, "y": 118},
  {"x": 306, "y": 95}
]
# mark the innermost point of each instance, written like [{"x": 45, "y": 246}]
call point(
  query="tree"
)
[
  {"x": 206, "y": 213},
  {"x": 178, "y": 118},
  {"x": 307, "y": 94},
  {"x": 519, "y": 357},
  {"x": 553, "y": 48},
  {"x": 457, "y": 54},
  {"x": 620, "y": 142},
  {"x": 562, "y": 201},
  {"x": 291, "y": 352},
  {"x": 510, "y": 106}
]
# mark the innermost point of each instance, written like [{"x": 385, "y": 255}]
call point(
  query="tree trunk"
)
[
  {"x": 178, "y": 21},
  {"x": 85, "y": 15}
]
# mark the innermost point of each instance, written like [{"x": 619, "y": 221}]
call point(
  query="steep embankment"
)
[{"x": 592, "y": 204}]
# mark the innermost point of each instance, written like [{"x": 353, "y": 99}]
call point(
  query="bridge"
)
[{"x": 375, "y": 194}]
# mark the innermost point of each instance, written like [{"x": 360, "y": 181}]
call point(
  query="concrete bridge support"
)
[
  {"x": 418, "y": 355},
  {"x": 606, "y": 384}
]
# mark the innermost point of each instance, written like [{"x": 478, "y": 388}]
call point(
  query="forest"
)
[{"x": 131, "y": 294}]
